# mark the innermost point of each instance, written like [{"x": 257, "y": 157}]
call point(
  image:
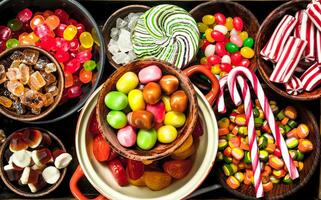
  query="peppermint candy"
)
[
  {"x": 294, "y": 86},
  {"x": 311, "y": 77}
]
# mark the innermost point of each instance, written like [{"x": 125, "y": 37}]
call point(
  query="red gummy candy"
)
[
  {"x": 63, "y": 15},
  {"x": 72, "y": 66},
  {"x": 245, "y": 62},
  {"x": 218, "y": 36},
  {"x": 59, "y": 31},
  {"x": 220, "y": 18},
  {"x": 62, "y": 56},
  {"x": 47, "y": 43},
  {"x": 236, "y": 58},
  {"x": 220, "y": 49},
  {"x": 43, "y": 30},
  {"x": 225, "y": 67},
  {"x": 24, "y": 15},
  {"x": 80, "y": 29},
  {"x": 74, "y": 45},
  {"x": 213, "y": 60},
  {"x": 61, "y": 44},
  {"x": 5, "y": 33},
  {"x": 72, "y": 22},
  {"x": 83, "y": 56},
  {"x": 74, "y": 91}
]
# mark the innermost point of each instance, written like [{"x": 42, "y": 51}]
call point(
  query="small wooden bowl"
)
[
  {"x": 311, "y": 159},
  {"x": 24, "y": 190},
  {"x": 111, "y": 23},
  {"x": 160, "y": 150},
  {"x": 230, "y": 9},
  {"x": 61, "y": 84},
  {"x": 266, "y": 67}
]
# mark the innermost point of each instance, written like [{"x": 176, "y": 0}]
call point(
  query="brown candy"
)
[
  {"x": 169, "y": 84},
  {"x": 37, "y": 186},
  {"x": 12, "y": 175},
  {"x": 17, "y": 142},
  {"x": 25, "y": 73},
  {"x": 3, "y": 76},
  {"x": 178, "y": 101},
  {"x": 33, "y": 99},
  {"x": 6, "y": 102},
  {"x": 34, "y": 138},
  {"x": 36, "y": 81},
  {"x": 152, "y": 93},
  {"x": 141, "y": 119},
  {"x": 41, "y": 156}
]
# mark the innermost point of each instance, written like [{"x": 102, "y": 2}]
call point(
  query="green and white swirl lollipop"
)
[{"x": 166, "y": 32}]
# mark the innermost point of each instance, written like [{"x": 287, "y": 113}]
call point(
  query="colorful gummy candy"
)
[
  {"x": 156, "y": 119},
  {"x": 56, "y": 32},
  {"x": 234, "y": 150},
  {"x": 224, "y": 44}
]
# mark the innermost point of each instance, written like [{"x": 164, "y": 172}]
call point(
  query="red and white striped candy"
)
[
  {"x": 314, "y": 12},
  {"x": 272, "y": 50},
  {"x": 220, "y": 100},
  {"x": 305, "y": 30},
  {"x": 317, "y": 47},
  {"x": 294, "y": 86},
  {"x": 311, "y": 77},
  {"x": 288, "y": 61}
]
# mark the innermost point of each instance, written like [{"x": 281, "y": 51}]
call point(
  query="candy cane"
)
[
  {"x": 252, "y": 135},
  {"x": 293, "y": 172},
  {"x": 220, "y": 101}
]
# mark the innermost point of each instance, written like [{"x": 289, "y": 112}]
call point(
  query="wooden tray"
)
[{"x": 101, "y": 10}]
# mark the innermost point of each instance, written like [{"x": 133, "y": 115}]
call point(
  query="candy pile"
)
[
  {"x": 224, "y": 44},
  {"x": 28, "y": 81},
  {"x": 34, "y": 160},
  {"x": 234, "y": 149},
  {"x": 166, "y": 32},
  {"x": 62, "y": 36},
  {"x": 155, "y": 175},
  {"x": 286, "y": 51},
  {"x": 120, "y": 45},
  {"x": 157, "y": 107}
]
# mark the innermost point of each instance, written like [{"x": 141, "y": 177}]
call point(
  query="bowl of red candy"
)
[{"x": 67, "y": 31}]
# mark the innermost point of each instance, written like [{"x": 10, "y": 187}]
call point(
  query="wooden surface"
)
[{"x": 101, "y": 10}]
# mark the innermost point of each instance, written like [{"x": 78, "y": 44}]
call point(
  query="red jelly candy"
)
[
  {"x": 238, "y": 23},
  {"x": 74, "y": 91},
  {"x": 213, "y": 60},
  {"x": 62, "y": 56},
  {"x": 101, "y": 148},
  {"x": 220, "y": 18},
  {"x": 61, "y": 44},
  {"x": 93, "y": 125},
  {"x": 77, "y": 80},
  {"x": 83, "y": 56},
  {"x": 63, "y": 15},
  {"x": 24, "y": 15},
  {"x": 47, "y": 43},
  {"x": 218, "y": 36},
  {"x": 225, "y": 67},
  {"x": 220, "y": 49},
  {"x": 205, "y": 43},
  {"x": 72, "y": 22},
  {"x": 72, "y": 66},
  {"x": 135, "y": 169},
  {"x": 42, "y": 30},
  {"x": 5, "y": 33},
  {"x": 236, "y": 58},
  {"x": 74, "y": 45},
  {"x": 80, "y": 29},
  {"x": 245, "y": 62},
  {"x": 2, "y": 45},
  {"x": 118, "y": 171},
  {"x": 60, "y": 30}
]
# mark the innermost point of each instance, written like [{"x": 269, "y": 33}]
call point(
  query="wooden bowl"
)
[
  {"x": 311, "y": 159},
  {"x": 266, "y": 67},
  {"x": 160, "y": 150},
  {"x": 60, "y": 79},
  {"x": 230, "y": 9},
  {"x": 24, "y": 190},
  {"x": 111, "y": 23}
]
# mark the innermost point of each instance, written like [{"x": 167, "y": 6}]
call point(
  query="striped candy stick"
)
[
  {"x": 220, "y": 100},
  {"x": 293, "y": 172},
  {"x": 314, "y": 12},
  {"x": 248, "y": 107},
  {"x": 311, "y": 77}
]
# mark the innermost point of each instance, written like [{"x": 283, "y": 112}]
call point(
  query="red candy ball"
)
[
  {"x": 74, "y": 45},
  {"x": 238, "y": 23},
  {"x": 245, "y": 62},
  {"x": 83, "y": 56},
  {"x": 220, "y": 18},
  {"x": 204, "y": 42},
  {"x": 72, "y": 66},
  {"x": 61, "y": 44},
  {"x": 74, "y": 92},
  {"x": 213, "y": 60},
  {"x": 236, "y": 58},
  {"x": 47, "y": 42},
  {"x": 80, "y": 29},
  {"x": 62, "y": 56},
  {"x": 225, "y": 67},
  {"x": 5, "y": 33},
  {"x": 24, "y": 15},
  {"x": 220, "y": 49},
  {"x": 60, "y": 30},
  {"x": 218, "y": 36}
]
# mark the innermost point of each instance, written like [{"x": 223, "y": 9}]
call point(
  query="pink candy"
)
[
  {"x": 311, "y": 77},
  {"x": 158, "y": 110},
  {"x": 294, "y": 86},
  {"x": 273, "y": 49},
  {"x": 150, "y": 74},
  {"x": 288, "y": 61},
  {"x": 126, "y": 136},
  {"x": 236, "y": 40},
  {"x": 305, "y": 30}
]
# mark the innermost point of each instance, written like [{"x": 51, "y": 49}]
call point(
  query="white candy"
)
[
  {"x": 209, "y": 50},
  {"x": 226, "y": 59},
  {"x": 124, "y": 42},
  {"x": 21, "y": 158},
  {"x": 51, "y": 175},
  {"x": 25, "y": 176},
  {"x": 63, "y": 160},
  {"x": 221, "y": 28},
  {"x": 120, "y": 23},
  {"x": 234, "y": 32}
]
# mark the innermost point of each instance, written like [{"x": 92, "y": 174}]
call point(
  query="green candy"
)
[
  {"x": 248, "y": 42},
  {"x": 12, "y": 43},
  {"x": 116, "y": 100},
  {"x": 263, "y": 141},
  {"x": 222, "y": 143},
  {"x": 228, "y": 170},
  {"x": 90, "y": 65},
  {"x": 247, "y": 157},
  {"x": 274, "y": 180},
  {"x": 258, "y": 122},
  {"x": 291, "y": 143},
  {"x": 227, "y": 160},
  {"x": 14, "y": 24},
  {"x": 287, "y": 179},
  {"x": 280, "y": 115},
  {"x": 263, "y": 155},
  {"x": 292, "y": 123},
  {"x": 231, "y": 47},
  {"x": 300, "y": 156},
  {"x": 256, "y": 112},
  {"x": 146, "y": 139},
  {"x": 116, "y": 119}
]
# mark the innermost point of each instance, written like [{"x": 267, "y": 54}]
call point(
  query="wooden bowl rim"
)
[
  {"x": 253, "y": 60},
  {"x": 60, "y": 86},
  {"x": 112, "y": 18},
  {"x": 193, "y": 102},
  {"x": 12, "y": 187},
  {"x": 260, "y": 63},
  {"x": 300, "y": 184}
]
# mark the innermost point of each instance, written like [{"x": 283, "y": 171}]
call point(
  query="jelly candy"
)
[
  {"x": 42, "y": 30},
  {"x": 70, "y": 32},
  {"x": 85, "y": 76},
  {"x": 229, "y": 23},
  {"x": 24, "y": 15},
  {"x": 72, "y": 22},
  {"x": 232, "y": 48},
  {"x": 118, "y": 171},
  {"x": 5, "y": 33},
  {"x": 221, "y": 28},
  {"x": 126, "y": 136},
  {"x": 74, "y": 45},
  {"x": 62, "y": 56},
  {"x": 48, "y": 43},
  {"x": 69, "y": 80},
  {"x": 101, "y": 148},
  {"x": 245, "y": 63},
  {"x": 202, "y": 27},
  {"x": 208, "y": 19},
  {"x": 243, "y": 35},
  {"x": 36, "y": 20},
  {"x": 146, "y": 139},
  {"x": 236, "y": 40},
  {"x": 247, "y": 52},
  {"x": 218, "y": 36},
  {"x": 52, "y": 21},
  {"x": 238, "y": 23},
  {"x": 47, "y": 13},
  {"x": 136, "y": 100},
  {"x": 208, "y": 35},
  {"x": 209, "y": 50},
  {"x": 116, "y": 100},
  {"x": 157, "y": 180},
  {"x": 41, "y": 156},
  {"x": 116, "y": 119},
  {"x": 86, "y": 40},
  {"x": 80, "y": 29},
  {"x": 14, "y": 25},
  {"x": 166, "y": 134},
  {"x": 249, "y": 42},
  {"x": 177, "y": 169},
  {"x": 89, "y": 65},
  {"x": 83, "y": 56},
  {"x": 72, "y": 66},
  {"x": 135, "y": 169},
  {"x": 226, "y": 59},
  {"x": 220, "y": 49},
  {"x": 213, "y": 60},
  {"x": 63, "y": 15},
  {"x": 74, "y": 91},
  {"x": 33, "y": 37},
  {"x": 220, "y": 18},
  {"x": 236, "y": 58},
  {"x": 127, "y": 82},
  {"x": 59, "y": 31},
  {"x": 61, "y": 44}
]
